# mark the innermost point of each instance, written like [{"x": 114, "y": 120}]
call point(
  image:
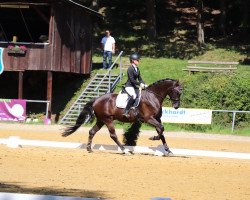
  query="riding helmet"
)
[{"x": 134, "y": 56}]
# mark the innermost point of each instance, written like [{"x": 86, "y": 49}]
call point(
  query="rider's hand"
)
[
  {"x": 142, "y": 86},
  {"x": 145, "y": 86}
]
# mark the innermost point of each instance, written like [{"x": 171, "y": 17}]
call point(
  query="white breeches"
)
[{"x": 131, "y": 92}]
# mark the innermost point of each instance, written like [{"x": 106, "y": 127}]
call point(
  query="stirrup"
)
[{"x": 126, "y": 115}]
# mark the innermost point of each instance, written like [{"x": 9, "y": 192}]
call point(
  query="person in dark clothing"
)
[{"x": 134, "y": 81}]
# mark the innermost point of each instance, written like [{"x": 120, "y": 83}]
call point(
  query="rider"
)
[{"x": 132, "y": 83}]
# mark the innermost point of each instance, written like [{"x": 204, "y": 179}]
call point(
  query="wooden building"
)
[{"x": 46, "y": 36}]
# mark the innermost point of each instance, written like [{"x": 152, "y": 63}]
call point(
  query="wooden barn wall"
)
[
  {"x": 72, "y": 40},
  {"x": 36, "y": 58},
  {"x": 69, "y": 49}
]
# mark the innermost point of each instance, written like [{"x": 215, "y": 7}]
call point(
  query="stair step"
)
[
  {"x": 94, "y": 93},
  {"x": 88, "y": 94},
  {"x": 106, "y": 81},
  {"x": 106, "y": 78}
]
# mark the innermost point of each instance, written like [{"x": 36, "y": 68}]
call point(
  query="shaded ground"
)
[{"x": 111, "y": 175}]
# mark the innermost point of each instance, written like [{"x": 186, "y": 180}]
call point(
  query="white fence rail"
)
[
  {"x": 41, "y": 101},
  {"x": 234, "y": 115}
]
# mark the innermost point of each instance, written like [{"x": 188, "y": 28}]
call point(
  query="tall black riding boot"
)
[{"x": 129, "y": 105}]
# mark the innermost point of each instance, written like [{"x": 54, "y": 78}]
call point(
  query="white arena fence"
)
[
  {"x": 16, "y": 142},
  {"x": 234, "y": 115},
  {"x": 195, "y": 116},
  {"x": 41, "y": 101},
  {"x": 15, "y": 196}
]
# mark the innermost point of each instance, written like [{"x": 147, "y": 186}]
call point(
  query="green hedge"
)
[{"x": 219, "y": 92}]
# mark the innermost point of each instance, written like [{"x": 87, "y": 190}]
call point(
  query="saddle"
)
[{"x": 123, "y": 97}]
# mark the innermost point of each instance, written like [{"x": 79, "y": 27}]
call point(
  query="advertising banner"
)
[
  {"x": 1, "y": 60},
  {"x": 12, "y": 110},
  {"x": 186, "y": 115}
]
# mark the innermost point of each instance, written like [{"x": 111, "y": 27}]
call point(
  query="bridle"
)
[
  {"x": 155, "y": 94},
  {"x": 172, "y": 99}
]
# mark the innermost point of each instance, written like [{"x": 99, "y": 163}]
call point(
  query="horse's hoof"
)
[
  {"x": 126, "y": 115},
  {"x": 154, "y": 138},
  {"x": 169, "y": 153},
  {"x": 89, "y": 150},
  {"x": 127, "y": 152}
]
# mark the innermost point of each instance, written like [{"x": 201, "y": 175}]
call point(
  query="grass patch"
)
[{"x": 222, "y": 54}]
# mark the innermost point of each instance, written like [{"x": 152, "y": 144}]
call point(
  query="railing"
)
[
  {"x": 234, "y": 114},
  {"x": 108, "y": 74},
  {"x": 40, "y": 101}
]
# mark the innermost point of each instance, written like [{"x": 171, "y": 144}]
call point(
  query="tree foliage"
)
[{"x": 157, "y": 27}]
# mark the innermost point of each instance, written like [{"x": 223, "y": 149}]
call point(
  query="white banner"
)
[{"x": 186, "y": 115}]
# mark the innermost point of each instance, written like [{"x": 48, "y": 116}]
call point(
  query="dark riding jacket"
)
[{"x": 132, "y": 77}]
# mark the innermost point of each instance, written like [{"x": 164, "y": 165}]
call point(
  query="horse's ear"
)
[
  {"x": 177, "y": 83},
  {"x": 180, "y": 83}
]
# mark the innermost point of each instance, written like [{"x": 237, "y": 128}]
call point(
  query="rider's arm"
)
[
  {"x": 140, "y": 78},
  {"x": 131, "y": 77}
]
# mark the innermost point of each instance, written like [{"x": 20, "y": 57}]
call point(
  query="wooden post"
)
[
  {"x": 49, "y": 91},
  {"x": 20, "y": 85}
]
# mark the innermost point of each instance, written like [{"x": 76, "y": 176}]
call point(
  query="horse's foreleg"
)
[
  {"x": 92, "y": 133},
  {"x": 160, "y": 129},
  {"x": 157, "y": 137}
]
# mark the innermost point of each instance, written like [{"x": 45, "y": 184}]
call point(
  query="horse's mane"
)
[{"x": 160, "y": 81}]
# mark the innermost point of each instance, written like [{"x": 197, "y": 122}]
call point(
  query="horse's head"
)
[
  {"x": 175, "y": 94},
  {"x": 165, "y": 87}
]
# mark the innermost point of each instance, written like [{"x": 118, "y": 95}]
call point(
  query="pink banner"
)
[{"x": 12, "y": 110}]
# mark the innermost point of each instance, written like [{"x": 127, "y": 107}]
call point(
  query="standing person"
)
[
  {"x": 134, "y": 81},
  {"x": 108, "y": 46}
]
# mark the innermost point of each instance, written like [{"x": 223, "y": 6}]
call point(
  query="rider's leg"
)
[
  {"x": 131, "y": 92},
  {"x": 129, "y": 105}
]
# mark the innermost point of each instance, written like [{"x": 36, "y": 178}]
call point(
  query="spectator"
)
[{"x": 108, "y": 46}]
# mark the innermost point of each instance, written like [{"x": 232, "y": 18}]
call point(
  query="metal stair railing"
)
[
  {"x": 108, "y": 74},
  {"x": 96, "y": 87},
  {"x": 73, "y": 106}
]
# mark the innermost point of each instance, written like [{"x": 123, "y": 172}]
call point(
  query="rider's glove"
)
[{"x": 142, "y": 86}]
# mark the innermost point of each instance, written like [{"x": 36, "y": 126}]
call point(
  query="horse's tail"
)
[{"x": 86, "y": 112}]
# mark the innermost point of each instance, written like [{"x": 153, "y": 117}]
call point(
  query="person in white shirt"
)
[{"x": 108, "y": 46}]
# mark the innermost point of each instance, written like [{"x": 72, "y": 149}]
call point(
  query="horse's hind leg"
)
[
  {"x": 114, "y": 137},
  {"x": 92, "y": 132}
]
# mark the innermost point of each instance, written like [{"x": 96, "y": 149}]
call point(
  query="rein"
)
[
  {"x": 162, "y": 96},
  {"x": 155, "y": 94}
]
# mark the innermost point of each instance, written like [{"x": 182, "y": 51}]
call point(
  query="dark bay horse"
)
[{"x": 149, "y": 111}]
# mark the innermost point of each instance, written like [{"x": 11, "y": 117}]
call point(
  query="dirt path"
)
[{"x": 114, "y": 176}]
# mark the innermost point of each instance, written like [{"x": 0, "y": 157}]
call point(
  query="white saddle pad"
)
[{"x": 121, "y": 100}]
